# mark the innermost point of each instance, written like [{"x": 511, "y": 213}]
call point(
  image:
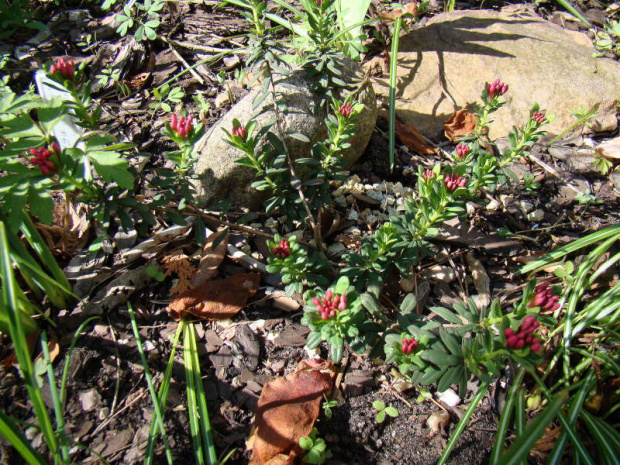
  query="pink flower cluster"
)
[
  {"x": 41, "y": 158},
  {"x": 539, "y": 117},
  {"x": 544, "y": 298},
  {"x": 462, "y": 150},
  {"x": 454, "y": 181},
  {"x": 428, "y": 175},
  {"x": 330, "y": 304},
  {"x": 239, "y": 131},
  {"x": 66, "y": 68},
  {"x": 409, "y": 345},
  {"x": 496, "y": 88},
  {"x": 181, "y": 125},
  {"x": 524, "y": 336},
  {"x": 282, "y": 250},
  {"x": 346, "y": 110}
]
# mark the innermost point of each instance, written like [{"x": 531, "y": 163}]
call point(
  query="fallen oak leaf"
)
[
  {"x": 215, "y": 300},
  {"x": 412, "y": 138},
  {"x": 460, "y": 124},
  {"x": 409, "y": 9},
  {"x": 287, "y": 410}
]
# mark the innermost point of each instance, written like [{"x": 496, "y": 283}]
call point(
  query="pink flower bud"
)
[
  {"x": 239, "y": 131},
  {"x": 428, "y": 175},
  {"x": 181, "y": 125},
  {"x": 462, "y": 150},
  {"x": 346, "y": 110},
  {"x": 66, "y": 68},
  {"x": 329, "y": 294},
  {"x": 539, "y": 117},
  {"x": 496, "y": 88},
  {"x": 316, "y": 301}
]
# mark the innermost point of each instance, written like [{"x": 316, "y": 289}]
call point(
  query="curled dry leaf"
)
[
  {"x": 438, "y": 422},
  {"x": 411, "y": 9},
  {"x": 481, "y": 279},
  {"x": 460, "y": 124},
  {"x": 216, "y": 300},
  {"x": 412, "y": 138},
  {"x": 287, "y": 410},
  {"x": 610, "y": 149},
  {"x": 212, "y": 255}
]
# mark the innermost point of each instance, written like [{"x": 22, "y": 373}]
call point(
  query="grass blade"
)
[
  {"x": 159, "y": 418},
  {"x": 191, "y": 399},
  {"x": 393, "y": 79},
  {"x": 504, "y": 421},
  {"x": 18, "y": 336},
  {"x": 523, "y": 444},
  {"x": 19, "y": 442},
  {"x": 607, "y": 447},
  {"x": 163, "y": 394},
  {"x": 203, "y": 412}
]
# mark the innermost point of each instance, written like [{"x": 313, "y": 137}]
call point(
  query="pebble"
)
[
  {"x": 353, "y": 215},
  {"x": 525, "y": 206},
  {"x": 536, "y": 215},
  {"x": 449, "y": 397},
  {"x": 90, "y": 400},
  {"x": 336, "y": 249}
]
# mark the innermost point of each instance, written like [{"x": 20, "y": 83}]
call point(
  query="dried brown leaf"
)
[
  {"x": 178, "y": 263},
  {"x": 216, "y": 300},
  {"x": 287, "y": 410},
  {"x": 412, "y": 138},
  {"x": 410, "y": 8},
  {"x": 460, "y": 124},
  {"x": 610, "y": 149},
  {"x": 211, "y": 257}
]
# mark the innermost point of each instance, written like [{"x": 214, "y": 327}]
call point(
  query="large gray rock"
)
[
  {"x": 443, "y": 66},
  {"x": 219, "y": 177}
]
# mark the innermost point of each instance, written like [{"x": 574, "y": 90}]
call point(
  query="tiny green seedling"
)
[
  {"x": 155, "y": 273},
  {"x": 382, "y": 411},
  {"x": 328, "y": 405},
  {"x": 317, "y": 449}
]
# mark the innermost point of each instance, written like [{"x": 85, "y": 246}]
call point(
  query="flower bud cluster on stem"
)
[
  {"x": 41, "y": 158},
  {"x": 282, "y": 250},
  {"x": 462, "y": 150},
  {"x": 181, "y": 125},
  {"x": 496, "y": 88},
  {"x": 330, "y": 304},
  {"x": 64, "y": 68},
  {"x": 524, "y": 336},
  {"x": 454, "y": 181},
  {"x": 544, "y": 298},
  {"x": 409, "y": 345}
]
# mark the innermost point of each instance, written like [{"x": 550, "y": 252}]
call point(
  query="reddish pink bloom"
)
[
  {"x": 462, "y": 150},
  {"x": 428, "y": 175},
  {"x": 41, "y": 158},
  {"x": 181, "y": 125},
  {"x": 454, "y": 181},
  {"x": 496, "y": 88},
  {"x": 524, "y": 335},
  {"x": 539, "y": 117},
  {"x": 544, "y": 298},
  {"x": 66, "y": 68},
  {"x": 409, "y": 345},
  {"x": 239, "y": 131},
  {"x": 330, "y": 304},
  {"x": 282, "y": 250},
  {"x": 346, "y": 110}
]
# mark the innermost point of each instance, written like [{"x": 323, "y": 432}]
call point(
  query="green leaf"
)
[
  {"x": 447, "y": 315},
  {"x": 378, "y": 405},
  {"x": 409, "y": 303},
  {"x": 380, "y": 416},
  {"x": 314, "y": 339},
  {"x": 112, "y": 168},
  {"x": 391, "y": 411}
]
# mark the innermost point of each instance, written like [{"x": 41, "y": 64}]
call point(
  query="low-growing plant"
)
[
  {"x": 144, "y": 14},
  {"x": 317, "y": 451},
  {"x": 383, "y": 410}
]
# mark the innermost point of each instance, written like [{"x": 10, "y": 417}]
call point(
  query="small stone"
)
[
  {"x": 104, "y": 413},
  {"x": 90, "y": 400},
  {"x": 525, "y": 206},
  {"x": 449, "y": 397},
  {"x": 353, "y": 215},
  {"x": 336, "y": 249},
  {"x": 398, "y": 189},
  {"x": 148, "y": 346},
  {"x": 536, "y": 215},
  {"x": 376, "y": 195}
]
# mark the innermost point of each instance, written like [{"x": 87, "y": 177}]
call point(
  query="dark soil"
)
[{"x": 108, "y": 404}]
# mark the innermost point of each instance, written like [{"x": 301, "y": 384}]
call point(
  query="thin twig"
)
[{"x": 186, "y": 64}]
